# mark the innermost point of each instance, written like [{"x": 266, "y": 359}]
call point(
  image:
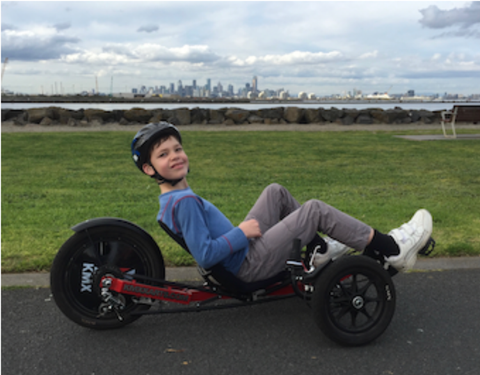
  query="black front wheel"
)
[
  {"x": 353, "y": 300},
  {"x": 93, "y": 250}
]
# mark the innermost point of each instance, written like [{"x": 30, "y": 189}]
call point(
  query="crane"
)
[{"x": 4, "y": 66}]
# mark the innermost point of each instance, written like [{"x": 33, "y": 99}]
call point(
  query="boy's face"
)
[{"x": 168, "y": 159}]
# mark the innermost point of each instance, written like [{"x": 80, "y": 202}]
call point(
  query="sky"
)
[{"x": 318, "y": 47}]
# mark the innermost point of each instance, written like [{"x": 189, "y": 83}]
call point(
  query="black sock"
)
[
  {"x": 317, "y": 241},
  {"x": 384, "y": 244}
]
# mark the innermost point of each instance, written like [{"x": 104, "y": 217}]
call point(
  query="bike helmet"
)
[{"x": 143, "y": 141}]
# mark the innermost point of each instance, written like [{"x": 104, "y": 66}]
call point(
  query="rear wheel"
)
[
  {"x": 94, "y": 250},
  {"x": 353, "y": 300}
]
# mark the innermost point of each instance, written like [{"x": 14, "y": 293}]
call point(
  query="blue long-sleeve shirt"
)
[{"x": 209, "y": 235}]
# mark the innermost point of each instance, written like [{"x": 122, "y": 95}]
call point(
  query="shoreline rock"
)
[{"x": 51, "y": 116}]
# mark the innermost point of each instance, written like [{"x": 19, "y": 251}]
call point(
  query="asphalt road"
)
[{"x": 435, "y": 330}]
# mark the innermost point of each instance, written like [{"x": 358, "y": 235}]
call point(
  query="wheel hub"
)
[{"x": 358, "y": 302}]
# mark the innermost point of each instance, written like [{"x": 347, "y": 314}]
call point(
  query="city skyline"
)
[
  {"x": 207, "y": 90},
  {"x": 249, "y": 90},
  {"x": 323, "y": 48}
]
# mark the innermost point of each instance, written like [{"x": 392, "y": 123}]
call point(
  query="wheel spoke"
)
[
  {"x": 365, "y": 288},
  {"x": 376, "y": 299},
  {"x": 353, "y": 315},
  {"x": 93, "y": 253},
  {"x": 367, "y": 315},
  {"x": 341, "y": 301},
  {"x": 354, "y": 286},
  {"x": 343, "y": 311},
  {"x": 344, "y": 290},
  {"x": 113, "y": 253}
]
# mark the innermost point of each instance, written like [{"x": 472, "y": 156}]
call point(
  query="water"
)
[{"x": 430, "y": 106}]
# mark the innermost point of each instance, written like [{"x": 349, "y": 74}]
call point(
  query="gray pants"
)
[{"x": 282, "y": 219}]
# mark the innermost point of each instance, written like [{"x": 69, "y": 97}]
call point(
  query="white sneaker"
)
[
  {"x": 411, "y": 237},
  {"x": 335, "y": 250}
]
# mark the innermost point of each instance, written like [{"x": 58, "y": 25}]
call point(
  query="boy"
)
[{"x": 259, "y": 247}]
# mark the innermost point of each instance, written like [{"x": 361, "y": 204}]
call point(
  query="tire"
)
[
  {"x": 354, "y": 300},
  {"x": 101, "y": 247}
]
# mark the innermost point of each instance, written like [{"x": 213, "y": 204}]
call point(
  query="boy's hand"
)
[{"x": 251, "y": 228}]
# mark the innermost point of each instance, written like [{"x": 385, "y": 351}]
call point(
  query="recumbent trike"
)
[{"x": 111, "y": 271}]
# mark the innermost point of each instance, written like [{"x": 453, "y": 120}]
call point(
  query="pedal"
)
[
  {"x": 295, "y": 267},
  {"x": 295, "y": 264},
  {"x": 428, "y": 248}
]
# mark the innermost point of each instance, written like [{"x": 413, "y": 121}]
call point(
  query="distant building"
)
[
  {"x": 283, "y": 95},
  {"x": 255, "y": 84},
  {"x": 180, "y": 88},
  {"x": 124, "y": 94}
]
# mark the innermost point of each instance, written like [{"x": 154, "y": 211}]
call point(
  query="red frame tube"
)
[{"x": 168, "y": 293}]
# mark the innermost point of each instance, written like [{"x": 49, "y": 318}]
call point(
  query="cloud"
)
[
  {"x": 148, "y": 29},
  {"x": 369, "y": 55},
  {"x": 441, "y": 74},
  {"x": 186, "y": 53},
  {"x": 462, "y": 33},
  {"x": 144, "y": 53},
  {"x": 36, "y": 45},
  {"x": 6, "y": 26},
  {"x": 119, "y": 49},
  {"x": 293, "y": 58},
  {"x": 62, "y": 26},
  {"x": 434, "y": 18}
]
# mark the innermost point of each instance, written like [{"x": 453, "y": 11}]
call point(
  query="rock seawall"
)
[{"x": 226, "y": 116}]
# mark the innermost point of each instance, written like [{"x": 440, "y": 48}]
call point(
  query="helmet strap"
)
[{"x": 161, "y": 180}]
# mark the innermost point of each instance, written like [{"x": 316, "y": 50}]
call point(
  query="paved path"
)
[{"x": 434, "y": 332}]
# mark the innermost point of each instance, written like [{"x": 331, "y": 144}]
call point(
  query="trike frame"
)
[{"x": 111, "y": 271}]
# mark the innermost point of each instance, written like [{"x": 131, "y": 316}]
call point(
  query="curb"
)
[{"x": 42, "y": 279}]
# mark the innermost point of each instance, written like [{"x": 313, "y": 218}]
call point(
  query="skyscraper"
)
[
  {"x": 180, "y": 88},
  {"x": 255, "y": 84}
]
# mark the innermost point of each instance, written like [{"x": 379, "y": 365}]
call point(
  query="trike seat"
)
[{"x": 225, "y": 278}]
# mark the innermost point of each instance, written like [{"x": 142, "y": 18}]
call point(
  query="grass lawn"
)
[{"x": 51, "y": 181}]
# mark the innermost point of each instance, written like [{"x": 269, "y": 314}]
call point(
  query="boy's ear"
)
[{"x": 147, "y": 169}]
